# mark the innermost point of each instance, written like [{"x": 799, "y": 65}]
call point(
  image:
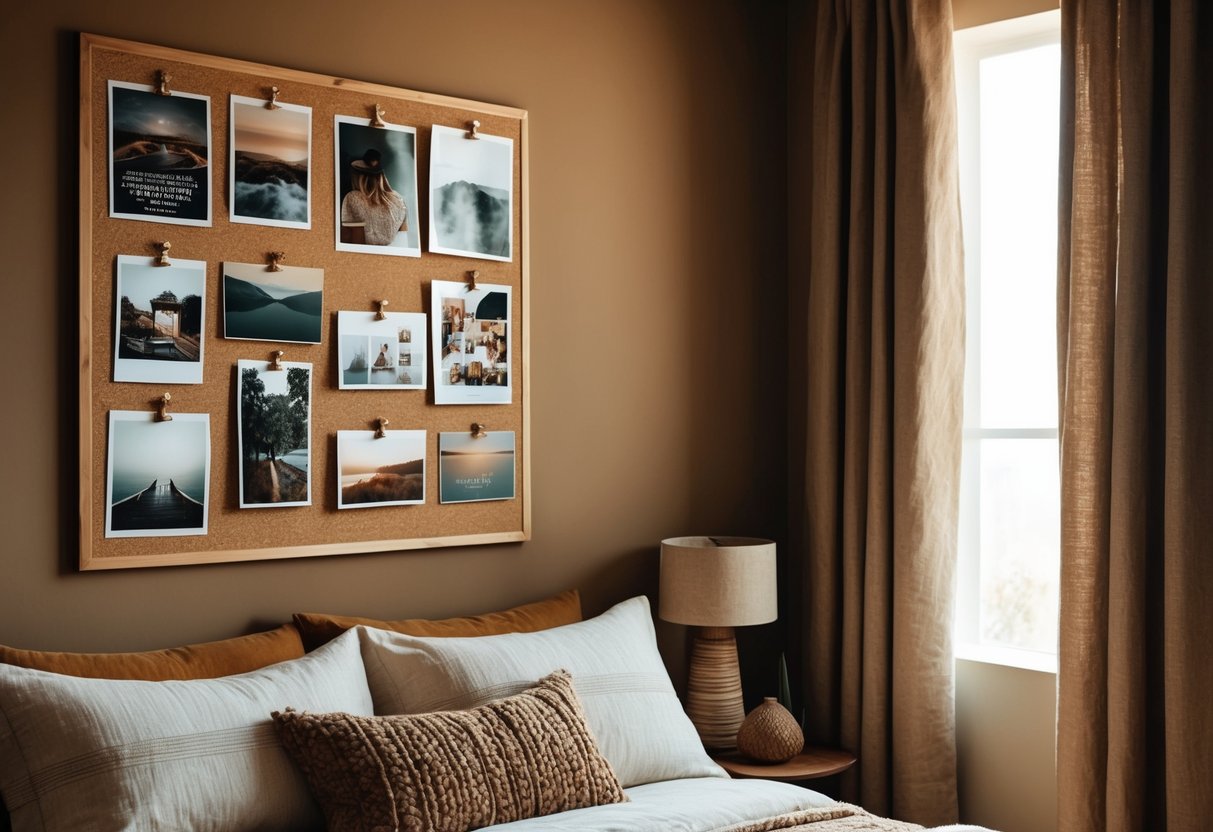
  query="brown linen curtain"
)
[
  {"x": 1135, "y": 379},
  {"x": 876, "y": 422}
]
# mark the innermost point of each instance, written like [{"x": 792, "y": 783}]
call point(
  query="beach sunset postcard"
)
[
  {"x": 475, "y": 469},
  {"x": 157, "y": 474},
  {"x": 381, "y": 355},
  {"x": 160, "y": 148},
  {"x": 270, "y": 161},
  {"x": 388, "y": 471},
  {"x": 261, "y": 305}
]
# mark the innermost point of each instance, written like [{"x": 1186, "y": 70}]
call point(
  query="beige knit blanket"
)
[{"x": 841, "y": 817}]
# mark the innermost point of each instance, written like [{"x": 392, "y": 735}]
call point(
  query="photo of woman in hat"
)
[
  {"x": 377, "y": 187},
  {"x": 372, "y": 212}
]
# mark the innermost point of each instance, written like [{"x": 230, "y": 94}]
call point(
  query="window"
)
[{"x": 1008, "y": 87}]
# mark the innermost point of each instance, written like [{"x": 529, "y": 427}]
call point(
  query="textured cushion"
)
[
  {"x": 629, "y": 702},
  {"x": 202, "y": 755},
  {"x": 520, "y": 757},
  {"x": 564, "y": 608},
  {"x": 196, "y": 661}
]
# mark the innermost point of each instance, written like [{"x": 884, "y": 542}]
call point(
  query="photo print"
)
[
  {"x": 381, "y": 355},
  {"x": 273, "y": 420},
  {"x": 471, "y": 343},
  {"x": 475, "y": 469},
  {"x": 160, "y": 150},
  {"x": 158, "y": 476},
  {"x": 471, "y": 194},
  {"x": 388, "y": 471},
  {"x": 159, "y": 321},
  {"x": 260, "y": 305},
  {"x": 376, "y": 188},
  {"x": 271, "y": 155}
]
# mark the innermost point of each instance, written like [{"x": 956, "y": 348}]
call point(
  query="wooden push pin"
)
[
  {"x": 380, "y": 426},
  {"x": 471, "y": 278},
  {"x": 162, "y": 414},
  {"x": 377, "y": 119},
  {"x": 273, "y": 104},
  {"x": 275, "y": 261},
  {"x": 381, "y": 315},
  {"x": 478, "y": 430},
  {"x": 162, "y": 257},
  {"x": 475, "y": 125},
  {"x": 276, "y": 360},
  {"x": 162, "y": 82}
]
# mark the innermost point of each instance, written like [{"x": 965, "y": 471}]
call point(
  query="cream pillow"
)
[
  {"x": 101, "y": 754},
  {"x": 623, "y": 686}
]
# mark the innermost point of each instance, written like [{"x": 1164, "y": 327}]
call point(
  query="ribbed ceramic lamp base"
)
[{"x": 714, "y": 689}]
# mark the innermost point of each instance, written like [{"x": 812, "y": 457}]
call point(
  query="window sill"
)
[{"x": 1007, "y": 656}]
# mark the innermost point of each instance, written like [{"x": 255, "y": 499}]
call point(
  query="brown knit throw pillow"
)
[{"x": 520, "y": 757}]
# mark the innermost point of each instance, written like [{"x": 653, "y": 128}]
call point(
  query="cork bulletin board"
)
[{"x": 352, "y": 281}]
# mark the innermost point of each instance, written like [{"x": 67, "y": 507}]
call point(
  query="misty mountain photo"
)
[
  {"x": 473, "y": 217},
  {"x": 273, "y": 306},
  {"x": 471, "y": 194}
]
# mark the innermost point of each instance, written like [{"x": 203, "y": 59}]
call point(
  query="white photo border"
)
[
  {"x": 109, "y": 161},
  {"x": 142, "y": 371},
  {"x": 413, "y": 216},
  {"x": 231, "y": 163},
  {"x": 437, "y": 132},
  {"x": 364, "y": 324},
  {"x": 147, "y": 416},
  {"x": 446, "y": 393},
  {"x": 264, "y": 367}
]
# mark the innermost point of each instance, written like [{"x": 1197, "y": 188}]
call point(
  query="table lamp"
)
[{"x": 716, "y": 584}]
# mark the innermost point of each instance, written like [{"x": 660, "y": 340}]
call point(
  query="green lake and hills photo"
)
[{"x": 261, "y": 310}]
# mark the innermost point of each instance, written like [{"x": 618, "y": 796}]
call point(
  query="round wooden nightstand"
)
[{"x": 808, "y": 764}]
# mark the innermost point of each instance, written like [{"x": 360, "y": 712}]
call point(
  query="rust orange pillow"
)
[
  {"x": 209, "y": 660},
  {"x": 565, "y": 608}
]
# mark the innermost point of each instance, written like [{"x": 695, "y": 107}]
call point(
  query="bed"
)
[{"x": 565, "y": 726}]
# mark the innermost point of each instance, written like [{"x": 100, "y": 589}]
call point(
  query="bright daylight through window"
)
[{"x": 1008, "y": 85}]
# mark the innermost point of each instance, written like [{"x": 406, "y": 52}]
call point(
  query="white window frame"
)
[{"x": 970, "y": 47}]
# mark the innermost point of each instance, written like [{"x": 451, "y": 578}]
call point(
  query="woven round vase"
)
[{"x": 770, "y": 734}]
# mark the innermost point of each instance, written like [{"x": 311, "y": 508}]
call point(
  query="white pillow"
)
[
  {"x": 629, "y": 702},
  {"x": 101, "y": 754}
]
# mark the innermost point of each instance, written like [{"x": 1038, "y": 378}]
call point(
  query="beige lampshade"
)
[{"x": 718, "y": 581}]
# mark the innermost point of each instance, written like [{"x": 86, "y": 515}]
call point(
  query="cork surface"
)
[{"x": 352, "y": 282}]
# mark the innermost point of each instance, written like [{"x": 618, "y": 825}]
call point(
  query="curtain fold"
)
[
  {"x": 878, "y": 419},
  {"x": 1135, "y": 306}
]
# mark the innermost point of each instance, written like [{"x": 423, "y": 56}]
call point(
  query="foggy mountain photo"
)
[{"x": 472, "y": 217}]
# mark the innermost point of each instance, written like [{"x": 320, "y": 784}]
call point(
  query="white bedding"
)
[
  {"x": 701, "y": 804},
  {"x": 696, "y": 804}
]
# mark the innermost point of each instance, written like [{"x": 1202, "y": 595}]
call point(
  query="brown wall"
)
[
  {"x": 966, "y": 13},
  {"x": 657, "y": 291}
]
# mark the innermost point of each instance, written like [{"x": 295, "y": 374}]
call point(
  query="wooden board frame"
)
[{"x": 316, "y": 530}]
